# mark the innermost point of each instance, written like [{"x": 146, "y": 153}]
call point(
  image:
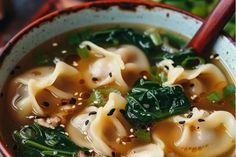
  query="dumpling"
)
[
  {"x": 206, "y": 134},
  {"x": 149, "y": 150},
  {"x": 118, "y": 67},
  {"x": 101, "y": 129},
  {"x": 135, "y": 62},
  {"x": 102, "y": 68},
  {"x": 36, "y": 80},
  {"x": 206, "y": 76},
  {"x": 198, "y": 133}
]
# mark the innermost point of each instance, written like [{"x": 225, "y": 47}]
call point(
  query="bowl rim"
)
[{"x": 98, "y": 5}]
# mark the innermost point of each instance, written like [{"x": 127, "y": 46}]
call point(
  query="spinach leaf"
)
[
  {"x": 100, "y": 96},
  {"x": 149, "y": 102},
  {"x": 35, "y": 140},
  {"x": 187, "y": 58},
  {"x": 117, "y": 36}
]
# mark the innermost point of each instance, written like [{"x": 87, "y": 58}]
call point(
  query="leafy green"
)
[
  {"x": 149, "y": 102},
  {"x": 214, "y": 97},
  {"x": 83, "y": 52},
  {"x": 158, "y": 75},
  {"x": 35, "y": 140},
  {"x": 186, "y": 58},
  {"x": 229, "y": 90},
  {"x": 41, "y": 58},
  {"x": 143, "y": 134},
  {"x": 100, "y": 96}
]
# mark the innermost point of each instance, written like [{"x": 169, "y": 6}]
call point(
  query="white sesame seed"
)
[
  {"x": 131, "y": 136},
  {"x": 124, "y": 143},
  {"x": 63, "y": 51},
  {"x": 193, "y": 97},
  {"x": 76, "y": 93},
  {"x": 62, "y": 125},
  {"x": 148, "y": 129},
  {"x": 73, "y": 106},
  {"x": 211, "y": 56},
  {"x": 54, "y": 44},
  {"x": 118, "y": 140},
  {"x": 66, "y": 133},
  {"x": 131, "y": 130},
  {"x": 85, "y": 133},
  {"x": 75, "y": 63},
  {"x": 80, "y": 98}
]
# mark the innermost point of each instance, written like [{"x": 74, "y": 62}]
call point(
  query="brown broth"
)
[{"x": 9, "y": 122}]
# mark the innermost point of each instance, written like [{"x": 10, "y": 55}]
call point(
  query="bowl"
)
[{"x": 106, "y": 12}]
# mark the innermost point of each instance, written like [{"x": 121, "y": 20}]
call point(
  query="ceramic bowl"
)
[{"x": 106, "y": 12}]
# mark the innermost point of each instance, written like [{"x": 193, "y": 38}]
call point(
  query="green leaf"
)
[
  {"x": 83, "y": 52},
  {"x": 100, "y": 96},
  {"x": 37, "y": 141},
  {"x": 150, "y": 102},
  {"x": 143, "y": 135},
  {"x": 41, "y": 58},
  {"x": 214, "y": 97},
  {"x": 229, "y": 90},
  {"x": 186, "y": 58}
]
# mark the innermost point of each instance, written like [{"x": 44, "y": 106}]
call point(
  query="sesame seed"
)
[
  {"x": 110, "y": 113},
  {"x": 86, "y": 122},
  {"x": 94, "y": 79},
  {"x": 92, "y": 113},
  {"x": 131, "y": 136},
  {"x": 190, "y": 115},
  {"x": 76, "y": 93},
  {"x": 118, "y": 140},
  {"x": 85, "y": 133},
  {"x": 66, "y": 133},
  {"x": 201, "y": 120},
  {"x": 63, "y": 51},
  {"x": 148, "y": 129},
  {"x": 181, "y": 122},
  {"x": 54, "y": 44},
  {"x": 62, "y": 125},
  {"x": 88, "y": 47},
  {"x": 145, "y": 77},
  {"x": 124, "y": 143},
  {"x": 75, "y": 64},
  {"x": 110, "y": 74},
  {"x": 131, "y": 130},
  {"x": 191, "y": 85},
  {"x": 167, "y": 68},
  {"x": 72, "y": 101},
  {"x": 193, "y": 97}
]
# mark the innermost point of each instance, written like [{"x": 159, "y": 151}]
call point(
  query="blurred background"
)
[{"x": 15, "y": 14}]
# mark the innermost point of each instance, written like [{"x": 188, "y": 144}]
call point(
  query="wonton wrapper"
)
[
  {"x": 95, "y": 136},
  {"x": 212, "y": 136},
  {"x": 107, "y": 66},
  {"x": 43, "y": 79},
  {"x": 205, "y": 76}
]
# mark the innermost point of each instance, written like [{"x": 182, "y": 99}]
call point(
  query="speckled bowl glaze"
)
[{"x": 106, "y": 12}]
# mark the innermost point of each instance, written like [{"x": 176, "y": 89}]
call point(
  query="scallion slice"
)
[{"x": 214, "y": 97}]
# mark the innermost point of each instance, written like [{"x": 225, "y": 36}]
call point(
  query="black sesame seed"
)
[
  {"x": 113, "y": 154},
  {"x": 174, "y": 64},
  {"x": 122, "y": 111},
  {"x": 181, "y": 122},
  {"x": 88, "y": 47},
  {"x": 215, "y": 55},
  {"x": 72, "y": 101},
  {"x": 190, "y": 115},
  {"x": 167, "y": 68},
  {"x": 92, "y": 113},
  {"x": 201, "y": 120},
  {"x": 191, "y": 108},
  {"x": 94, "y": 79},
  {"x": 191, "y": 85},
  {"x": 46, "y": 104},
  {"x": 111, "y": 112},
  {"x": 110, "y": 74},
  {"x": 86, "y": 122}
]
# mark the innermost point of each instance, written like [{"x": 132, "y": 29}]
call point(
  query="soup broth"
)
[{"x": 98, "y": 85}]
